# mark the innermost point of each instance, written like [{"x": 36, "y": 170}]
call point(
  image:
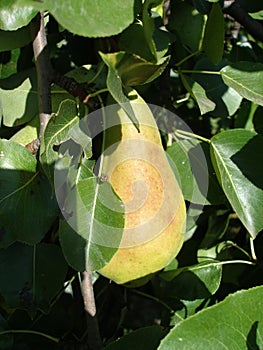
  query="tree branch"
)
[
  {"x": 233, "y": 9},
  {"x": 94, "y": 340},
  {"x": 43, "y": 68}
]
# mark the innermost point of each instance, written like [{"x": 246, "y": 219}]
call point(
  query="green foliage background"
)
[{"x": 190, "y": 59}]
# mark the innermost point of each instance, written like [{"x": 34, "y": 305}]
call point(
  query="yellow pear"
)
[{"x": 136, "y": 166}]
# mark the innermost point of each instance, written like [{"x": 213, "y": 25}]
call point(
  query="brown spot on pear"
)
[{"x": 140, "y": 174}]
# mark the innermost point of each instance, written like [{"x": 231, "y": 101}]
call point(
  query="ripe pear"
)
[{"x": 135, "y": 164}]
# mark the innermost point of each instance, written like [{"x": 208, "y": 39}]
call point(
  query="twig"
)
[
  {"x": 255, "y": 28},
  {"x": 43, "y": 68},
  {"x": 94, "y": 340}
]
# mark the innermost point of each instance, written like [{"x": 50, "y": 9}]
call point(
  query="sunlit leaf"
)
[
  {"x": 246, "y": 78},
  {"x": 240, "y": 173},
  {"x": 235, "y": 323}
]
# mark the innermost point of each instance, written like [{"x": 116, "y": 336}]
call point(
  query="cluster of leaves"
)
[{"x": 187, "y": 58}]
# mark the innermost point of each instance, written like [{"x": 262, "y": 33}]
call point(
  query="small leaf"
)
[
  {"x": 239, "y": 172},
  {"x": 145, "y": 338},
  {"x": 19, "y": 98},
  {"x": 14, "y": 15},
  {"x": 213, "y": 42},
  {"x": 246, "y": 78},
  {"x": 114, "y": 84},
  {"x": 234, "y": 323},
  {"x": 24, "y": 194},
  {"x": 31, "y": 276},
  {"x": 199, "y": 94},
  {"x": 56, "y": 132},
  {"x": 226, "y": 99}
]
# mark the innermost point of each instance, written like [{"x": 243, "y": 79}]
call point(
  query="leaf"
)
[
  {"x": 194, "y": 282},
  {"x": 31, "y": 276},
  {"x": 13, "y": 15},
  {"x": 188, "y": 25},
  {"x": 226, "y": 99},
  {"x": 213, "y": 42},
  {"x": 57, "y": 131},
  {"x": 199, "y": 94},
  {"x": 190, "y": 160},
  {"x": 82, "y": 18},
  {"x": 234, "y": 324},
  {"x": 10, "y": 40},
  {"x": 239, "y": 172},
  {"x": 145, "y": 338},
  {"x": 19, "y": 98},
  {"x": 94, "y": 214},
  {"x": 114, "y": 84},
  {"x": 246, "y": 78},
  {"x": 28, "y": 133},
  {"x": 26, "y": 207}
]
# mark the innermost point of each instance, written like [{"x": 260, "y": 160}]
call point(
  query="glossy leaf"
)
[
  {"x": 93, "y": 212},
  {"x": 114, "y": 84},
  {"x": 24, "y": 194},
  {"x": 19, "y": 98},
  {"x": 14, "y": 15},
  {"x": 39, "y": 273},
  {"x": 233, "y": 155},
  {"x": 226, "y": 99},
  {"x": 235, "y": 323},
  {"x": 213, "y": 42},
  {"x": 191, "y": 161},
  {"x": 28, "y": 133},
  {"x": 195, "y": 282},
  {"x": 56, "y": 132},
  {"x": 147, "y": 338},
  {"x": 246, "y": 78},
  {"x": 82, "y": 18}
]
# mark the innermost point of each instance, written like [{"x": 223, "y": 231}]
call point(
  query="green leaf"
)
[
  {"x": 188, "y": 25},
  {"x": 240, "y": 173},
  {"x": 14, "y": 15},
  {"x": 28, "y": 133},
  {"x": 94, "y": 215},
  {"x": 199, "y": 94},
  {"x": 26, "y": 207},
  {"x": 246, "y": 78},
  {"x": 31, "y": 276},
  {"x": 194, "y": 282},
  {"x": 213, "y": 42},
  {"x": 114, "y": 84},
  {"x": 146, "y": 338},
  {"x": 190, "y": 160},
  {"x": 10, "y": 40},
  {"x": 6, "y": 341},
  {"x": 227, "y": 100},
  {"x": 18, "y": 95},
  {"x": 55, "y": 133},
  {"x": 82, "y": 18},
  {"x": 235, "y": 323}
]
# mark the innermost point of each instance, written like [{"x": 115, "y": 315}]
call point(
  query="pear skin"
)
[{"x": 136, "y": 166}]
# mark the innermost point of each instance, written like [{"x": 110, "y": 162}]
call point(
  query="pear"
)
[{"x": 135, "y": 164}]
